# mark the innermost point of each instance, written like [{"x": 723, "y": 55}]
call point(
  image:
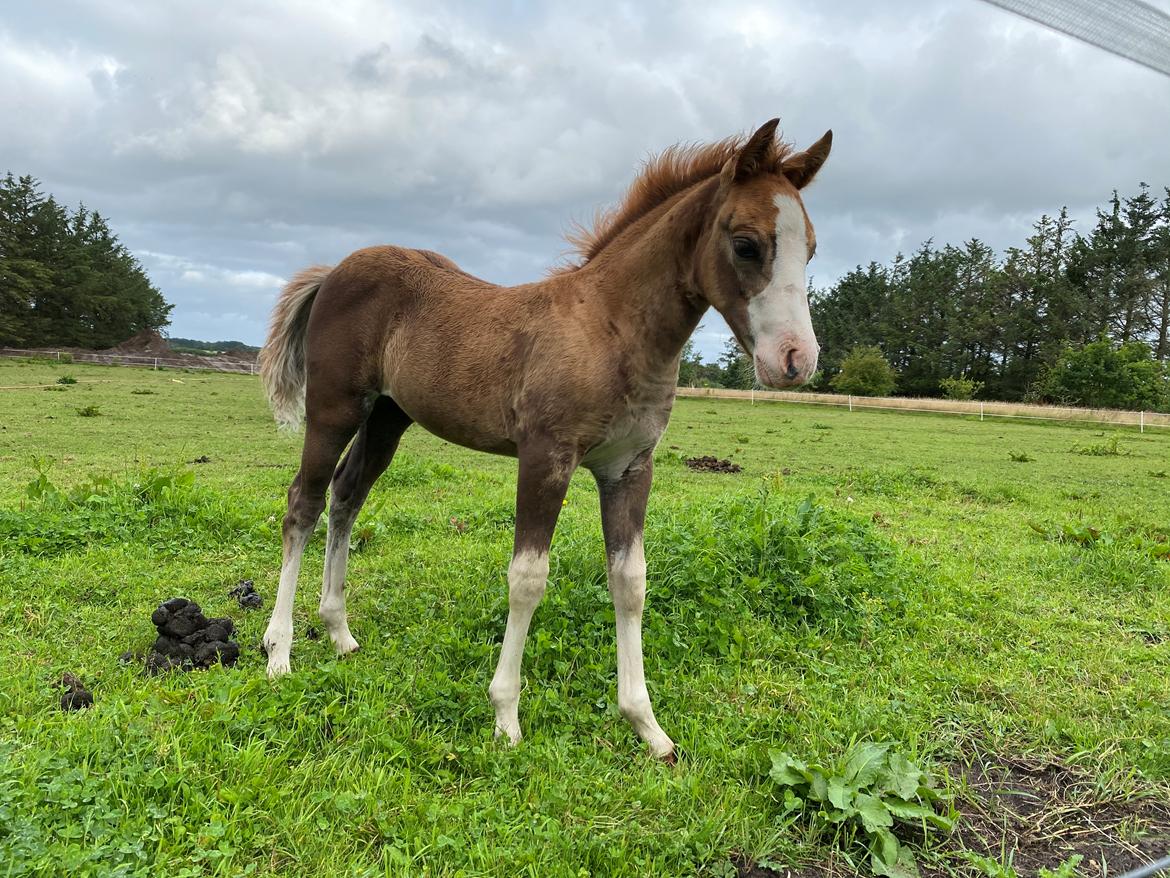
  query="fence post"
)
[
  {"x": 156, "y": 364},
  {"x": 58, "y": 356},
  {"x": 1142, "y": 422},
  {"x": 981, "y": 410},
  {"x": 851, "y": 402},
  {"x": 753, "y": 396}
]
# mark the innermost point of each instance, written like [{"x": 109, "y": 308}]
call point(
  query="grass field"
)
[{"x": 973, "y": 610}]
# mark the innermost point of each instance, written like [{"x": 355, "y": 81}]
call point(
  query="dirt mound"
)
[
  {"x": 246, "y": 355},
  {"x": 708, "y": 464},
  {"x": 187, "y": 639},
  {"x": 147, "y": 343}
]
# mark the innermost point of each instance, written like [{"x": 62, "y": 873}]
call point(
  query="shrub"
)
[
  {"x": 1099, "y": 375},
  {"x": 66, "y": 379},
  {"x": 89, "y": 411},
  {"x": 960, "y": 388},
  {"x": 865, "y": 372}
]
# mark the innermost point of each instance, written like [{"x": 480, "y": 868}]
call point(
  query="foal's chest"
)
[{"x": 634, "y": 430}]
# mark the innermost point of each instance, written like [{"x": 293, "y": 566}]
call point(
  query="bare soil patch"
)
[
  {"x": 1034, "y": 814},
  {"x": 1045, "y": 812},
  {"x": 151, "y": 344},
  {"x": 709, "y": 464}
]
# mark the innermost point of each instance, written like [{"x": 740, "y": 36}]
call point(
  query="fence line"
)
[
  {"x": 983, "y": 409},
  {"x": 1141, "y": 420},
  {"x": 216, "y": 364}
]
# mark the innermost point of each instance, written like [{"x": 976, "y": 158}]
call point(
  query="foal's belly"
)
[{"x": 447, "y": 423}]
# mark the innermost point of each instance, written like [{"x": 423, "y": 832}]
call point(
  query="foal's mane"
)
[{"x": 663, "y": 176}]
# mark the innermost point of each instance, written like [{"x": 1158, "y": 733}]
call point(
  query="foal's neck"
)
[{"x": 646, "y": 275}]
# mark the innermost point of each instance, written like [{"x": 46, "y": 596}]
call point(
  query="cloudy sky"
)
[{"x": 231, "y": 144}]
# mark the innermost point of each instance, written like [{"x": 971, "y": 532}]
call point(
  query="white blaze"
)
[{"x": 780, "y": 312}]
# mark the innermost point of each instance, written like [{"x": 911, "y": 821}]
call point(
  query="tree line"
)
[
  {"x": 65, "y": 278},
  {"x": 1068, "y": 318}
]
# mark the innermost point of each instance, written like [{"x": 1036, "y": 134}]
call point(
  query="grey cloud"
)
[{"x": 245, "y": 144}]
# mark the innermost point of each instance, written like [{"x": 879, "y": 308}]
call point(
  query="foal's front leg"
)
[
  {"x": 623, "y": 515},
  {"x": 540, "y": 491}
]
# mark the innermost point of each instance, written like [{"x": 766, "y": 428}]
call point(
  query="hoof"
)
[
  {"x": 278, "y": 668},
  {"x": 345, "y": 645},
  {"x": 511, "y": 737}
]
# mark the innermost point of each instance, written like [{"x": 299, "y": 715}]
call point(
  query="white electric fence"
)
[
  {"x": 971, "y": 407},
  {"x": 214, "y": 364}
]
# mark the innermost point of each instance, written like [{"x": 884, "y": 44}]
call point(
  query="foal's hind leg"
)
[
  {"x": 540, "y": 490},
  {"x": 368, "y": 457},
  {"x": 623, "y": 514},
  {"x": 327, "y": 432}
]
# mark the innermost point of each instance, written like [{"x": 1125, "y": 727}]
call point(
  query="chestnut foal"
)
[{"x": 576, "y": 370}]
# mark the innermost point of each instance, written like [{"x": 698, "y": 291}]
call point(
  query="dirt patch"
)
[
  {"x": 1033, "y": 814},
  {"x": 149, "y": 344},
  {"x": 187, "y": 639},
  {"x": 76, "y": 696},
  {"x": 708, "y": 464},
  {"x": 1046, "y": 812}
]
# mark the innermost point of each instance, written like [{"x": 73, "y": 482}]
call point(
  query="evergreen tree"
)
[
  {"x": 689, "y": 365},
  {"x": 961, "y": 313},
  {"x": 65, "y": 279},
  {"x": 738, "y": 371}
]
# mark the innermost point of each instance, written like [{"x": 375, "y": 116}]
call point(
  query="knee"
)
[
  {"x": 627, "y": 580},
  {"x": 342, "y": 508},
  {"x": 302, "y": 514},
  {"x": 527, "y": 577}
]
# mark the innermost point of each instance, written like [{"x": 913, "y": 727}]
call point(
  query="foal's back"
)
[{"x": 475, "y": 363}]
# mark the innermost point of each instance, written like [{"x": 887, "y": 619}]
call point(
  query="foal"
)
[{"x": 576, "y": 370}]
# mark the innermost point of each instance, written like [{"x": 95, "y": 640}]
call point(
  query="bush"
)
[
  {"x": 960, "y": 388},
  {"x": 1102, "y": 376},
  {"x": 865, "y": 372}
]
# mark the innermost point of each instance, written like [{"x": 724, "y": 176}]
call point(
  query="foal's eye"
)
[{"x": 745, "y": 248}]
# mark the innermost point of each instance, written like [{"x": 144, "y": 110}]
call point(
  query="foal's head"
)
[{"x": 751, "y": 261}]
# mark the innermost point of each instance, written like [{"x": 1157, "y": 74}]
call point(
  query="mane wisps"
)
[{"x": 662, "y": 177}]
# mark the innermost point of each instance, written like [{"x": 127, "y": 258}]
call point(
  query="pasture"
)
[{"x": 984, "y": 596}]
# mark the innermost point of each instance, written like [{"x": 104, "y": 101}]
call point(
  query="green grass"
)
[{"x": 936, "y": 593}]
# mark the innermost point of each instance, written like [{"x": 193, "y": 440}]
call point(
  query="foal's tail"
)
[{"x": 282, "y": 360}]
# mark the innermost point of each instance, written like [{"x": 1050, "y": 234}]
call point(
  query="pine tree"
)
[
  {"x": 738, "y": 371},
  {"x": 65, "y": 279}
]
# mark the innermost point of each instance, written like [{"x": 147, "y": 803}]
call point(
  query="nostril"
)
[{"x": 792, "y": 371}]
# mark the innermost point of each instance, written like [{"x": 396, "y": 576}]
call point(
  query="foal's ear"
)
[
  {"x": 802, "y": 167},
  {"x": 754, "y": 156}
]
